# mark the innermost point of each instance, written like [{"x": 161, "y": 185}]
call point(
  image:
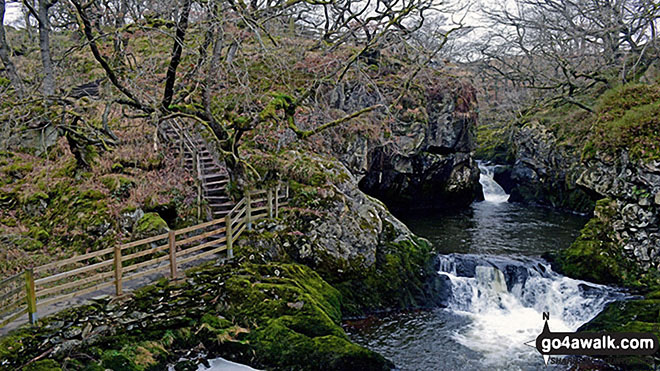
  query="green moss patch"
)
[
  {"x": 280, "y": 316},
  {"x": 595, "y": 257},
  {"x": 631, "y": 316}
]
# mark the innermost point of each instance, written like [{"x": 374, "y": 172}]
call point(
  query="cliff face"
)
[
  {"x": 568, "y": 159},
  {"x": 634, "y": 188},
  {"x": 623, "y": 238},
  {"x": 543, "y": 173},
  {"x": 426, "y": 162}
]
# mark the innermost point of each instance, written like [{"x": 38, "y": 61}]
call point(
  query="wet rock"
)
[
  {"x": 635, "y": 216},
  {"x": 422, "y": 181},
  {"x": 545, "y": 173},
  {"x": 423, "y": 160},
  {"x": 503, "y": 175},
  {"x": 72, "y": 332}
]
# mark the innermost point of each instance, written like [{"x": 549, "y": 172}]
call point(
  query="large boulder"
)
[
  {"x": 545, "y": 173},
  {"x": 349, "y": 238},
  {"x": 426, "y": 161}
]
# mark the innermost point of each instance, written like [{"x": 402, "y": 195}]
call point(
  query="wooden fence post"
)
[
  {"x": 229, "y": 234},
  {"x": 31, "y": 296},
  {"x": 248, "y": 211},
  {"x": 269, "y": 196},
  {"x": 277, "y": 200},
  {"x": 197, "y": 168},
  {"x": 172, "y": 243},
  {"x": 118, "y": 270},
  {"x": 182, "y": 154}
]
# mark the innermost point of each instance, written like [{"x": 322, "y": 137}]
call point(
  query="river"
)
[
  {"x": 500, "y": 286},
  {"x": 490, "y": 253}
]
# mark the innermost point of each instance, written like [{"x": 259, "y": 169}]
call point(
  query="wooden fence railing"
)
[{"x": 82, "y": 274}]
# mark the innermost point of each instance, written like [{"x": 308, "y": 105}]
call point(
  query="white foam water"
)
[
  {"x": 493, "y": 192},
  {"x": 504, "y": 319},
  {"x": 221, "y": 364}
]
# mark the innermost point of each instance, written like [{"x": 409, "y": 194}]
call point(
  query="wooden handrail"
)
[
  {"x": 74, "y": 259},
  {"x": 227, "y": 230}
]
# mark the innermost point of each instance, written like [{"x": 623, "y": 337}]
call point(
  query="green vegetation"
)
[
  {"x": 595, "y": 257},
  {"x": 150, "y": 224},
  {"x": 492, "y": 144},
  {"x": 52, "y": 208},
  {"x": 396, "y": 281},
  {"x": 627, "y": 117},
  {"x": 631, "y": 316},
  {"x": 270, "y": 315}
]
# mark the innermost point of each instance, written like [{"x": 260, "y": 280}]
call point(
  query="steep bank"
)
[
  {"x": 537, "y": 167},
  {"x": 567, "y": 158},
  {"x": 348, "y": 237},
  {"x": 264, "y": 308},
  {"x": 427, "y": 163}
]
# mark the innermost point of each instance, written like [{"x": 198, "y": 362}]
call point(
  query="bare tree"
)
[
  {"x": 5, "y": 55},
  {"x": 41, "y": 13},
  {"x": 190, "y": 93},
  {"x": 564, "y": 47}
]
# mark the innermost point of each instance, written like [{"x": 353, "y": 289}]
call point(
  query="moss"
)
[
  {"x": 595, "y": 257},
  {"x": 17, "y": 170},
  {"x": 28, "y": 244},
  {"x": 280, "y": 316},
  {"x": 297, "y": 316},
  {"x": 44, "y": 365},
  {"x": 630, "y": 316},
  {"x": 149, "y": 224},
  {"x": 119, "y": 186},
  {"x": 626, "y": 118},
  {"x": 116, "y": 360},
  {"x": 117, "y": 167},
  {"x": 492, "y": 145},
  {"x": 397, "y": 280},
  {"x": 39, "y": 234}
]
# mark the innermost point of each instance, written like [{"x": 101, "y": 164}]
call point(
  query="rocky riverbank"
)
[
  {"x": 564, "y": 158},
  {"x": 268, "y": 307},
  {"x": 266, "y": 315}
]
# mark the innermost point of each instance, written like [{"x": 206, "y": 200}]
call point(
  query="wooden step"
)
[
  {"x": 220, "y": 205},
  {"x": 218, "y": 198},
  {"x": 222, "y": 182},
  {"x": 213, "y": 176}
]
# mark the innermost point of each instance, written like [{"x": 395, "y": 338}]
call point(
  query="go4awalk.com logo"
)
[{"x": 550, "y": 343}]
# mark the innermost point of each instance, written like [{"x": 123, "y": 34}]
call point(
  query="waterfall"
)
[
  {"x": 505, "y": 299},
  {"x": 493, "y": 192}
]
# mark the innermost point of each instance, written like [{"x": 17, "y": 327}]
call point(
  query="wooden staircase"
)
[{"x": 212, "y": 175}]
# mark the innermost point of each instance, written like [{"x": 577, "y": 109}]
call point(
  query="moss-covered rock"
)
[
  {"x": 150, "y": 224},
  {"x": 44, "y": 365},
  {"x": 274, "y": 316},
  {"x": 301, "y": 325},
  {"x": 631, "y": 316},
  {"x": 596, "y": 257}
]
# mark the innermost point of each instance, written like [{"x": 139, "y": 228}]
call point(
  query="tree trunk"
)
[
  {"x": 177, "y": 49},
  {"x": 48, "y": 85},
  {"x": 5, "y": 55}
]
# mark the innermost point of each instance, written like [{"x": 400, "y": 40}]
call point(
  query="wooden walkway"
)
[
  {"x": 88, "y": 274},
  {"x": 212, "y": 176},
  {"x": 57, "y": 285}
]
